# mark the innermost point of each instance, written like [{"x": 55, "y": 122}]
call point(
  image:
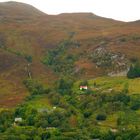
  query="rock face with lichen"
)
[{"x": 115, "y": 64}]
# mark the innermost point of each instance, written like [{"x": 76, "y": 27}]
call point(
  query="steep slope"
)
[{"x": 18, "y": 42}]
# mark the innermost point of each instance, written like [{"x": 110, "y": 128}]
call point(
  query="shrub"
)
[
  {"x": 28, "y": 58},
  {"x": 101, "y": 117},
  {"x": 87, "y": 113}
]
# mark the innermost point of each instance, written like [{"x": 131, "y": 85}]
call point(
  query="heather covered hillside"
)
[{"x": 68, "y": 77}]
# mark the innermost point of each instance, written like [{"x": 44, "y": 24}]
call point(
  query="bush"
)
[
  {"x": 101, "y": 117},
  {"x": 87, "y": 113},
  {"x": 135, "y": 106},
  {"x": 137, "y": 137}
]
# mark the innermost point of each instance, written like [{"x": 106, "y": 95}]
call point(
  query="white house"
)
[{"x": 83, "y": 87}]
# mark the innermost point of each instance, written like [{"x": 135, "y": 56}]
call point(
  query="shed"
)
[{"x": 18, "y": 120}]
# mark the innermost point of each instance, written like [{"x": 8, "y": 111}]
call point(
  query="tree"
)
[
  {"x": 134, "y": 71},
  {"x": 64, "y": 86},
  {"x": 84, "y": 83},
  {"x": 137, "y": 137},
  {"x": 122, "y": 97},
  {"x": 130, "y": 73}
]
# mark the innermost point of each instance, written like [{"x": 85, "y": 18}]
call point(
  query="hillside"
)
[
  {"x": 44, "y": 59},
  {"x": 19, "y": 10},
  {"x": 26, "y": 32}
]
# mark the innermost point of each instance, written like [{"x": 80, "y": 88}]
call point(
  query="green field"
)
[{"x": 107, "y": 83}]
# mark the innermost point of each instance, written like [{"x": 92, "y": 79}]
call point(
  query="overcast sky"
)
[{"x": 125, "y": 10}]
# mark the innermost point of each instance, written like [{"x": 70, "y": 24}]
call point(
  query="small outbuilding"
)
[{"x": 18, "y": 120}]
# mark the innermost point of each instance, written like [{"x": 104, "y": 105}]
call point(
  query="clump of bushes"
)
[
  {"x": 64, "y": 86},
  {"x": 35, "y": 88},
  {"x": 59, "y": 60}
]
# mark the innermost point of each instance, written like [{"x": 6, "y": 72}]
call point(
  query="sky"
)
[{"x": 123, "y": 10}]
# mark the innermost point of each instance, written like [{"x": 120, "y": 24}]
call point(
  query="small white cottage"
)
[{"x": 83, "y": 87}]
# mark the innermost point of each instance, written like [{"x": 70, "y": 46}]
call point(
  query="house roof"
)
[{"x": 83, "y": 86}]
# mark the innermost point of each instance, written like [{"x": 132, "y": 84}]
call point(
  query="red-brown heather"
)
[{"x": 25, "y": 30}]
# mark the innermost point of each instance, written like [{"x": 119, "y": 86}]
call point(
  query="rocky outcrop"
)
[{"x": 114, "y": 63}]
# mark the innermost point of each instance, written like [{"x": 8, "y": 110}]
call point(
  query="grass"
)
[
  {"x": 116, "y": 84},
  {"x": 40, "y": 102},
  {"x": 111, "y": 121},
  {"x": 105, "y": 83},
  {"x": 129, "y": 118}
]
